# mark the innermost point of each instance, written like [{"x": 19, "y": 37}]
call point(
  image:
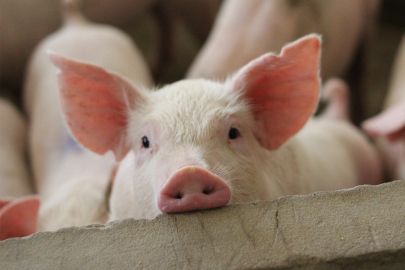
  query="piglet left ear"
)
[
  {"x": 95, "y": 104},
  {"x": 390, "y": 123},
  {"x": 282, "y": 90}
]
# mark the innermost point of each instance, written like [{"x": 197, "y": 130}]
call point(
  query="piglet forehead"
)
[{"x": 189, "y": 110}]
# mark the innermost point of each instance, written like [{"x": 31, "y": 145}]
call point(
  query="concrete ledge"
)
[{"x": 360, "y": 228}]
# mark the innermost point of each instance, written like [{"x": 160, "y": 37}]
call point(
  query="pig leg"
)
[{"x": 14, "y": 178}]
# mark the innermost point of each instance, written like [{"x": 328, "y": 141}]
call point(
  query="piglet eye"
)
[
  {"x": 145, "y": 142},
  {"x": 233, "y": 133}
]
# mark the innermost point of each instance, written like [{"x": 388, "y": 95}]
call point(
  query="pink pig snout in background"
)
[
  {"x": 193, "y": 188},
  {"x": 389, "y": 126},
  {"x": 18, "y": 217}
]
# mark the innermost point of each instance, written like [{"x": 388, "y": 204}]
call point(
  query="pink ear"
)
[
  {"x": 4, "y": 202},
  {"x": 283, "y": 90},
  {"x": 19, "y": 217},
  {"x": 95, "y": 104},
  {"x": 390, "y": 123}
]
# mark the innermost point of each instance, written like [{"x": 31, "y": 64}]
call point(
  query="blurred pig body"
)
[
  {"x": 389, "y": 126},
  {"x": 14, "y": 177},
  {"x": 199, "y": 144},
  {"x": 245, "y": 30},
  {"x": 18, "y": 210},
  {"x": 72, "y": 181},
  {"x": 24, "y": 23}
]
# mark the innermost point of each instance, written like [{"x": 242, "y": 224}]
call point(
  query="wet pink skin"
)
[{"x": 193, "y": 188}]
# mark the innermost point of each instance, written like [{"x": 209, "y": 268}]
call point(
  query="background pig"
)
[
  {"x": 24, "y": 23},
  {"x": 14, "y": 178},
  {"x": 389, "y": 126},
  {"x": 18, "y": 216},
  {"x": 246, "y": 29},
  {"x": 72, "y": 182},
  {"x": 197, "y": 15},
  {"x": 199, "y": 144}
]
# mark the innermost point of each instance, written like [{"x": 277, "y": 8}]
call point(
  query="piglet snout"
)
[{"x": 193, "y": 188}]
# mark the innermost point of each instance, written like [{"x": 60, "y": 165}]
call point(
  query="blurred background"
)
[{"x": 170, "y": 33}]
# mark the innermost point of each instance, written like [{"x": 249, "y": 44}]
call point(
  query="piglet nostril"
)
[
  {"x": 178, "y": 196},
  {"x": 207, "y": 191}
]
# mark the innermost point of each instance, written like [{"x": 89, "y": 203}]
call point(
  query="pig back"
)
[{"x": 337, "y": 155}]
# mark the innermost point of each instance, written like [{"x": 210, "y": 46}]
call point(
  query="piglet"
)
[
  {"x": 389, "y": 126},
  {"x": 73, "y": 182},
  {"x": 199, "y": 144},
  {"x": 24, "y": 23}
]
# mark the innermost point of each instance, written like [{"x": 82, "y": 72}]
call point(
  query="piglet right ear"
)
[
  {"x": 95, "y": 104},
  {"x": 282, "y": 90}
]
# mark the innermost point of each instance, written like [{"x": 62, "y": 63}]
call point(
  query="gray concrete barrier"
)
[{"x": 359, "y": 228}]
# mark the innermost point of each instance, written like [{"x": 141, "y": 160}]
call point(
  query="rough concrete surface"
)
[{"x": 359, "y": 228}]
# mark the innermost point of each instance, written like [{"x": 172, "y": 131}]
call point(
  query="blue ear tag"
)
[{"x": 72, "y": 145}]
